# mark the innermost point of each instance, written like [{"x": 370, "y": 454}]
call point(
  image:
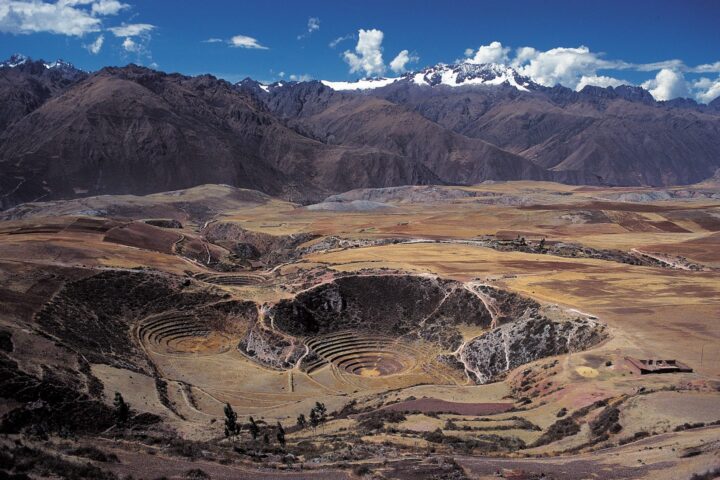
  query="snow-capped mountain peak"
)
[
  {"x": 18, "y": 59},
  {"x": 466, "y": 73},
  {"x": 60, "y": 64},
  {"x": 450, "y": 75},
  {"x": 362, "y": 84},
  {"x": 15, "y": 60}
]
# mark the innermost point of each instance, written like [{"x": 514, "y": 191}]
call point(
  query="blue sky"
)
[{"x": 672, "y": 48}]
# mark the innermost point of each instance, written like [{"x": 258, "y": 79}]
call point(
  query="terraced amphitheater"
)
[
  {"x": 181, "y": 333},
  {"x": 362, "y": 354},
  {"x": 230, "y": 279}
]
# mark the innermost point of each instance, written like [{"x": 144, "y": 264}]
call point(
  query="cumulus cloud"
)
[
  {"x": 33, "y": 16},
  {"x": 600, "y": 81},
  {"x": 313, "y": 24},
  {"x": 130, "y": 46},
  {"x": 213, "y": 40},
  {"x": 95, "y": 46},
  {"x": 706, "y": 89},
  {"x": 565, "y": 66},
  {"x": 300, "y": 78},
  {"x": 108, "y": 7},
  {"x": 132, "y": 29},
  {"x": 368, "y": 53},
  {"x": 75, "y": 18},
  {"x": 707, "y": 68},
  {"x": 243, "y": 41},
  {"x": 339, "y": 40},
  {"x": 136, "y": 38},
  {"x": 493, "y": 53},
  {"x": 666, "y": 85},
  {"x": 524, "y": 55},
  {"x": 399, "y": 63}
]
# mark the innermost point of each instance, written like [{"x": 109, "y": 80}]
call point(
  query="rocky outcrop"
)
[
  {"x": 516, "y": 343},
  {"x": 271, "y": 349},
  {"x": 249, "y": 245},
  {"x": 387, "y": 304}
]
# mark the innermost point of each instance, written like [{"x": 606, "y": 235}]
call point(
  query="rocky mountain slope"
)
[{"x": 65, "y": 133}]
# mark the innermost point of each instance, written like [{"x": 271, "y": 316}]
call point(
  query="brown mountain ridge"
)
[{"x": 135, "y": 130}]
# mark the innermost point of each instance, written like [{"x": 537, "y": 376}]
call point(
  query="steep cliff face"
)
[
  {"x": 388, "y": 304},
  {"x": 271, "y": 348},
  {"x": 522, "y": 341}
]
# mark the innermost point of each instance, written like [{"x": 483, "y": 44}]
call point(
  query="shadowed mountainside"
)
[{"x": 65, "y": 134}]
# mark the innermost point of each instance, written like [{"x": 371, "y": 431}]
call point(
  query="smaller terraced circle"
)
[
  {"x": 363, "y": 354},
  {"x": 181, "y": 333},
  {"x": 230, "y": 279}
]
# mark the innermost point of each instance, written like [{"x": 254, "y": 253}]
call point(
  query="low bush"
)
[
  {"x": 93, "y": 453},
  {"x": 709, "y": 475},
  {"x": 564, "y": 427},
  {"x": 197, "y": 474}
]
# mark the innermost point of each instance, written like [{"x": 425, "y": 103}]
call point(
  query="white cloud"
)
[
  {"x": 300, "y": 78},
  {"x": 243, "y": 41},
  {"x": 213, "y": 40},
  {"x": 562, "y": 65},
  {"x": 108, "y": 7},
  {"x": 339, "y": 40},
  {"x": 706, "y": 89},
  {"x": 707, "y": 68},
  {"x": 313, "y": 24},
  {"x": 524, "y": 55},
  {"x": 600, "y": 81},
  {"x": 368, "y": 53},
  {"x": 129, "y": 45},
  {"x": 95, "y": 46},
  {"x": 493, "y": 53},
  {"x": 281, "y": 74},
  {"x": 136, "y": 37},
  {"x": 399, "y": 63},
  {"x": 653, "y": 66},
  {"x": 469, "y": 52},
  {"x": 666, "y": 85},
  {"x": 33, "y": 16},
  {"x": 132, "y": 29}
]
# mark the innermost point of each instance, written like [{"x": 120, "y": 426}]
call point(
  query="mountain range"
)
[{"x": 66, "y": 133}]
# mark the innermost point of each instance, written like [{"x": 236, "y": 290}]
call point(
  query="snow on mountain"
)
[
  {"x": 19, "y": 59},
  {"x": 363, "y": 84},
  {"x": 466, "y": 73},
  {"x": 456, "y": 75},
  {"x": 14, "y": 61},
  {"x": 60, "y": 64}
]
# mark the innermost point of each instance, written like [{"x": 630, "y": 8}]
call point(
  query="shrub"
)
[
  {"x": 436, "y": 436},
  {"x": 376, "y": 420},
  {"x": 196, "y": 474},
  {"x": 637, "y": 436},
  {"x": 94, "y": 453},
  {"x": 562, "y": 428},
  {"x": 361, "y": 470},
  {"x": 606, "y": 421},
  {"x": 709, "y": 475}
]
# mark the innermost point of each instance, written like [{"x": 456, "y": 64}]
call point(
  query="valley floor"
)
[{"x": 100, "y": 296}]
